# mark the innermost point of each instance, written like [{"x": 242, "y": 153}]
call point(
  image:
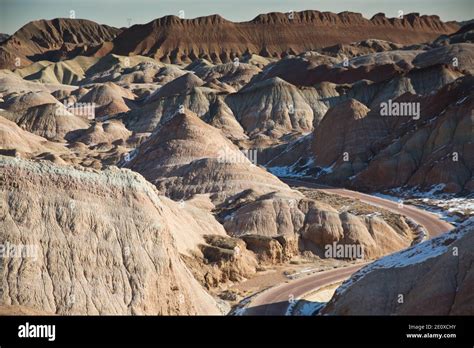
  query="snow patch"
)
[
  {"x": 446, "y": 206},
  {"x": 310, "y": 308},
  {"x": 292, "y": 171},
  {"x": 416, "y": 254}
]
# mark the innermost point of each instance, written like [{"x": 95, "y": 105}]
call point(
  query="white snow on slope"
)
[
  {"x": 447, "y": 206},
  {"x": 292, "y": 171},
  {"x": 416, "y": 254},
  {"x": 309, "y": 308}
]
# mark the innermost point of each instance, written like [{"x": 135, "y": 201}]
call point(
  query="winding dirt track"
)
[{"x": 275, "y": 301}]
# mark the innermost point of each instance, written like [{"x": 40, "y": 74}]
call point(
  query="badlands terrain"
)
[{"x": 201, "y": 166}]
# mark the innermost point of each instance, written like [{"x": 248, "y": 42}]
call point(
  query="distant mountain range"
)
[{"x": 175, "y": 40}]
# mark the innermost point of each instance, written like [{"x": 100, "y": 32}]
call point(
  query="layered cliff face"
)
[
  {"x": 95, "y": 243},
  {"x": 52, "y": 40},
  {"x": 432, "y": 278},
  {"x": 175, "y": 40},
  {"x": 362, "y": 148},
  {"x": 273, "y": 104}
]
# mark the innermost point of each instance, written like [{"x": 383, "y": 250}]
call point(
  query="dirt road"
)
[{"x": 275, "y": 301}]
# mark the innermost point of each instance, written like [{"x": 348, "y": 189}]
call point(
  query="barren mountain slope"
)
[
  {"x": 52, "y": 121},
  {"x": 236, "y": 74},
  {"x": 274, "y": 107},
  {"x": 12, "y": 83},
  {"x": 100, "y": 243},
  {"x": 191, "y": 110},
  {"x": 68, "y": 72},
  {"x": 437, "y": 150},
  {"x": 338, "y": 138},
  {"x": 355, "y": 146},
  {"x": 186, "y": 156},
  {"x": 432, "y": 278},
  {"x": 108, "y": 99}
]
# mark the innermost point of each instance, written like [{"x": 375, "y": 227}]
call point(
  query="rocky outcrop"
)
[
  {"x": 69, "y": 72},
  {"x": 19, "y": 102},
  {"x": 272, "y": 250},
  {"x": 461, "y": 55},
  {"x": 179, "y": 85},
  {"x": 298, "y": 92},
  {"x": 120, "y": 70},
  {"x": 313, "y": 68},
  {"x": 222, "y": 117},
  {"x": 360, "y": 48},
  {"x": 324, "y": 226},
  {"x": 51, "y": 121},
  {"x": 104, "y": 133},
  {"x": 364, "y": 149},
  {"x": 432, "y": 278},
  {"x": 236, "y": 74},
  {"x": 226, "y": 259},
  {"x": 94, "y": 243},
  {"x": 34, "y": 109},
  {"x": 156, "y": 110},
  {"x": 465, "y": 34}
]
